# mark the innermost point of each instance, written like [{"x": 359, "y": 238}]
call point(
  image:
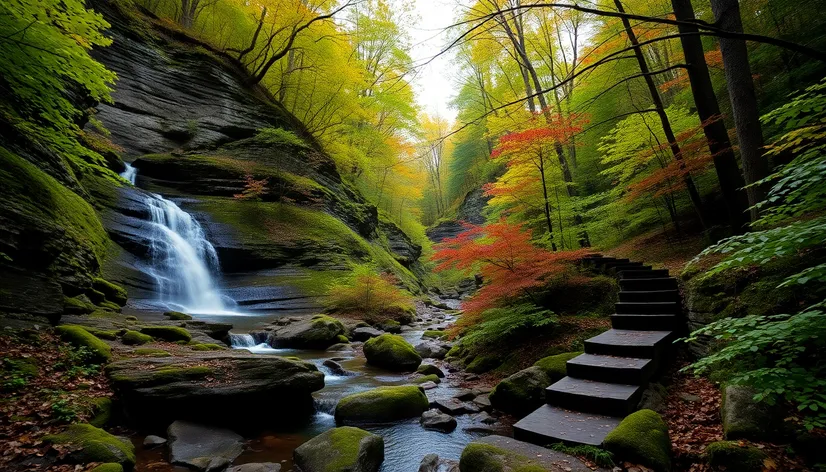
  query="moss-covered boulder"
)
[
  {"x": 746, "y": 418},
  {"x": 430, "y": 369},
  {"x": 108, "y": 467},
  {"x": 501, "y": 454},
  {"x": 79, "y": 337},
  {"x": 318, "y": 332},
  {"x": 641, "y": 438},
  {"x": 151, "y": 352},
  {"x": 434, "y": 334},
  {"x": 108, "y": 334},
  {"x": 167, "y": 333},
  {"x": 426, "y": 378},
  {"x": 555, "y": 367},
  {"x": 207, "y": 347},
  {"x": 391, "y": 326},
  {"x": 484, "y": 363},
  {"x": 734, "y": 457},
  {"x": 177, "y": 316},
  {"x": 382, "y": 404},
  {"x": 391, "y": 352},
  {"x": 101, "y": 409},
  {"x": 135, "y": 338},
  {"x": 93, "y": 444},
  {"x": 77, "y": 305},
  {"x": 111, "y": 292},
  {"x": 522, "y": 392},
  {"x": 343, "y": 449}
]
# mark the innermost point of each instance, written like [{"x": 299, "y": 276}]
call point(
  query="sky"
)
[{"x": 435, "y": 83}]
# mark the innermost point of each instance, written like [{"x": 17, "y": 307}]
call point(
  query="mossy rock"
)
[
  {"x": 108, "y": 467},
  {"x": 167, "y": 333},
  {"x": 151, "y": 352},
  {"x": 110, "y": 335},
  {"x": 343, "y": 449},
  {"x": 482, "y": 457},
  {"x": 131, "y": 318},
  {"x": 426, "y": 378},
  {"x": 177, "y": 316},
  {"x": 319, "y": 332},
  {"x": 163, "y": 375},
  {"x": 641, "y": 438},
  {"x": 391, "y": 352},
  {"x": 434, "y": 334},
  {"x": 522, "y": 392},
  {"x": 134, "y": 338},
  {"x": 746, "y": 418},
  {"x": 112, "y": 292},
  {"x": 207, "y": 347},
  {"x": 482, "y": 364},
  {"x": 111, "y": 306},
  {"x": 101, "y": 408},
  {"x": 382, "y": 404},
  {"x": 391, "y": 326},
  {"x": 94, "y": 445},
  {"x": 342, "y": 339},
  {"x": 430, "y": 369},
  {"x": 79, "y": 337},
  {"x": 732, "y": 457},
  {"x": 96, "y": 296},
  {"x": 77, "y": 306},
  {"x": 556, "y": 367}
]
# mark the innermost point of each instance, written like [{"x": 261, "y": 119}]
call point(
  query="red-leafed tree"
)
[{"x": 511, "y": 266}]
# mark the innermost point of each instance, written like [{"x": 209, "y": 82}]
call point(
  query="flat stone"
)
[
  {"x": 482, "y": 401},
  {"x": 202, "y": 447},
  {"x": 464, "y": 395},
  {"x": 335, "y": 368},
  {"x": 429, "y": 385},
  {"x": 365, "y": 333},
  {"x": 256, "y": 467},
  {"x": 449, "y": 406},
  {"x": 484, "y": 417},
  {"x": 548, "y": 459},
  {"x": 153, "y": 441},
  {"x": 436, "y": 420},
  {"x": 431, "y": 349}
]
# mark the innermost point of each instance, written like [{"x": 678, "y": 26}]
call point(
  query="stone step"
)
[
  {"x": 630, "y": 266},
  {"x": 628, "y": 370},
  {"x": 636, "y": 285},
  {"x": 591, "y": 396},
  {"x": 643, "y": 273},
  {"x": 549, "y": 424},
  {"x": 647, "y": 308},
  {"x": 614, "y": 263},
  {"x": 645, "y": 322},
  {"x": 628, "y": 343},
  {"x": 650, "y": 296}
]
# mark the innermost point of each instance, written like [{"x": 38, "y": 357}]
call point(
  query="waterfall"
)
[
  {"x": 241, "y": 340},
  {"x": 130, "y": 173}
]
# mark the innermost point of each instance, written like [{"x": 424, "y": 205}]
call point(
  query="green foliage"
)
[
  {"x": 371, "y": 296},
  {"x": 15, "y": 373},
  {"x": 280, "y": 137},
  {"x": 598, "y": 456}
]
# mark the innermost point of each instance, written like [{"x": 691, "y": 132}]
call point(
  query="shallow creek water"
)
[{"x": 406, "y": 442}]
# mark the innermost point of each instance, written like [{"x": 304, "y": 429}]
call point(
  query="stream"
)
[{"x": 186, "y": 270}]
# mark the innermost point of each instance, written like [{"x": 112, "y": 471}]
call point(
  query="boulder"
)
[
  {"x": 391, "y": 352},
  {"x": 382, "y": 404},
  {"x": 428, "y": 385},
  {"x": 745, "y": 418},
  {"x": 641, "y": 438},
  {"x": 134, "y": 338},
  {"x": 343, "y": 449},
  {"x": 365, "y": 332},
  {"x": 391, "y": 326},
  {"x": 484, "y": 363},
  {"x": 522, "y": 392},
  {"x": 158, "y": 390},
  {"x": 77, "y": 336},
  {"x": 90, "y": 444},
  {"x": 152, "y": 441},
  {"x": 483, "y": 402},
  {"x": 732, "y": 456},
  {"x": 555, "y": 367},
  {"x": 318, "y": 332},
  {"x": 421, "y": 379},
  {"x": 202, "y": 447},
  {"x": 436, "y": 420},
  {"x": 434, "y": 334},
  {"x": 498, "y": 453},
  {"x": 432, "y": 350},
  {"x": 167, "y": 333},
  {"x": 335, "y": 368},
  {"x": 450, "y": 406},
  {"x": 433, "y": 463},
  {"x": 256, "y": 467},
  {"x": 430, "y": 369}
]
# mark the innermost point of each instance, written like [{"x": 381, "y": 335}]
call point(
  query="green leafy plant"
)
[
  {"x": 369, "y": 295},
  {"x": 597, "y": 455}
]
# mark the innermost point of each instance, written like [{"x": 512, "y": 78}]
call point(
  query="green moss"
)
[
  {"x": 521, "y": 392},
  {"x": 102, "y": 333},
  {"x": 151, "y": 352},
  {"x": 77, "y": 306},
  {"x": 482, "y": 364},
  {"x": 113, "y": 292},
  {"x": 382, "y": 404},
  {"x": 434, "y": 334},
  {"x": 94, "y": 445},
  {"x": 342, "y": 339},
  {"x": 108, "y": 467},
  {"x": 131, "y": 318},
  {"x": 430, "y": 369},
  {"x": 162, "y": 375},
  {"x": 134, "y": 338},
  {"x": 426, "y": 378},
  {"x": 733, "y": 457},
  {"x": 392, "y": 352},
  {"x": 641, "y": 438},
  {"x": 391, "y": 326},
  {"x": 167, "y": 333},
  {"x": 96, "y": 296},
  {"x": 177, "y": 316},
  {"x": 79, "y": 337},
  {"x": 480, "y": 457},
  {"x": 207, "y": 347},
  {"x": 101, "y": 409},
  {"x": 556, "y": 366},
  {"x": 344, "y": 442}
]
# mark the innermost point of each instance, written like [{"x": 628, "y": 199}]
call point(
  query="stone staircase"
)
[{"x": 605, "y": 383}]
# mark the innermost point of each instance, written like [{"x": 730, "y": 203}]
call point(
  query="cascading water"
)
[
  {"x": 183, "y": 260},
  {"x": 241, "y": 340}
]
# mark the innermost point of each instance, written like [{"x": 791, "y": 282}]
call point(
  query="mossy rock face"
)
[
  {"x": 343, "y": 449},
  {"x": 94, "y": 445},
  {"x": 522, "y": 392},
  {"x": 392, "y": 352},
  {"x": 96, "y": 296},
  {"x": 112, "y": 292},
  {"x": 732, "y": 457},
  {"x": 151, "y": 352},
  {"x": 111, "y": 306},
  {"x": 101, "y": 410},
  {"x": 433, "y": 334},
  {"x": 77, "y": 306},
  {"x": 167, "y": 333},
  {"x": 641, "y": 438},
  {"x": 427, "y": 378},
  {"x": 555, "y": 367},
  {"x": 482, "y": 364},
  {"x": 430, "y": 369},
  {"x": 110, "y": 335},
  {"x": 109, "y": 467},
  {"x": 177, "y": 316},
  {"x": 319, "y": 332},
  {"x": 79, "y": 337},
  {"x": 391, "y": 326},
  {"x": 207, "y": 347},
  {"x": 134, "y": 338},
  {"x": 382, "y": 404}
]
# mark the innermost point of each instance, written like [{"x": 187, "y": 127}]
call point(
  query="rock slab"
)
[{"x": 202, "y": 447}]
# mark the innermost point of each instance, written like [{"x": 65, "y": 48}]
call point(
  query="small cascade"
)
[
  {"x": 130, "y": 173},
  {"x": 241, "y": 340}
]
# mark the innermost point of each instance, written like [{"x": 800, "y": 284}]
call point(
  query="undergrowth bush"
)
[{"x": 371, "y": 296}]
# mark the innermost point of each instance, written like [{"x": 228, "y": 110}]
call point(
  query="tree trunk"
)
[
  {"x": 708, "y": 109},
  {"x": 693, "y": 194},
  {"x": 547, "y": 201},
  {"x": 743, "y": 100}
]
